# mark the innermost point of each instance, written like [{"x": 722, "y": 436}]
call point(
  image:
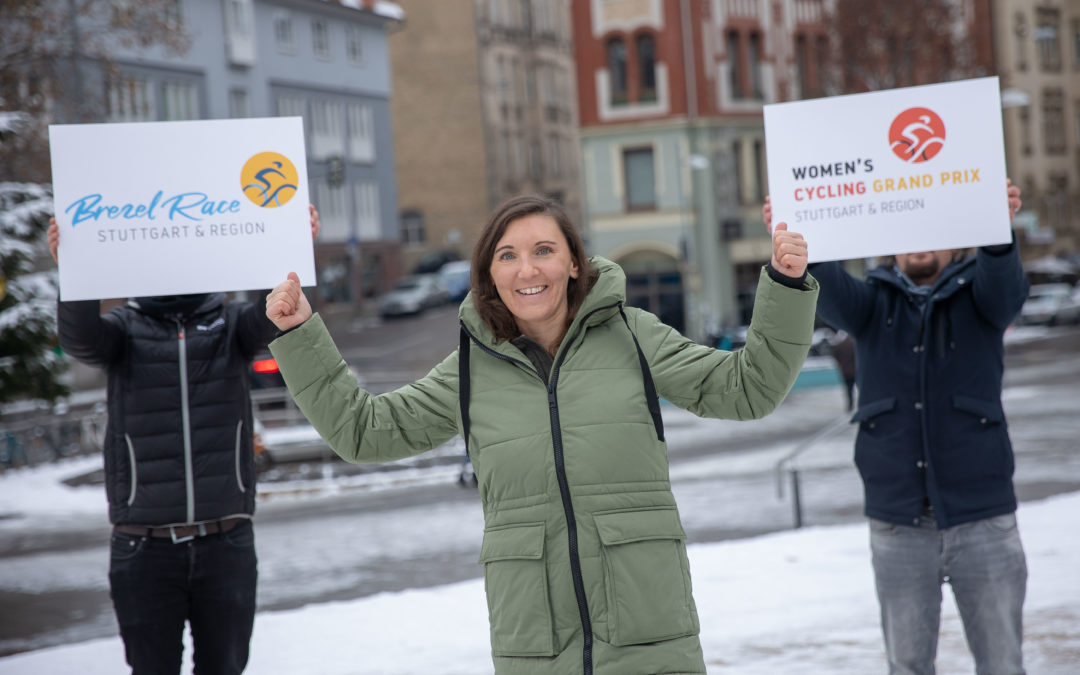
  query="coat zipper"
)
[
  {"x": 185, "y": 415},
  {"x": 564, "y": 486},
  {"x": 568, "y": 506}
]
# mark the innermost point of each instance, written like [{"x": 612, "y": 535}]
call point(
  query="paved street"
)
[{"x": 338, "y": 537}]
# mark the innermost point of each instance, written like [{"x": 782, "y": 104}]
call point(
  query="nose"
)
[{"x": 528, "y": 266}]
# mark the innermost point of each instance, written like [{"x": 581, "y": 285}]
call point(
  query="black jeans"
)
[{"x": 157, "y": 586}]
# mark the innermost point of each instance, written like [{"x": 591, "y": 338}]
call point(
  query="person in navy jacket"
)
[{"x": 933, "y": 446}]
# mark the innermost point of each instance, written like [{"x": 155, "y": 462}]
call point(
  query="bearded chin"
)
[{"x": 922, "y": 272}]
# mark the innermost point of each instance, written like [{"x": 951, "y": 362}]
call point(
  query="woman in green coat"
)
[{"x": 554, "y": 389}]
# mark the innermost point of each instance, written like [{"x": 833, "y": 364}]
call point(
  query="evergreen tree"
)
[{"x": 29, "y": 364}]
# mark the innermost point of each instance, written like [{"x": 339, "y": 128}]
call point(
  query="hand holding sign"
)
[
  {"x": 789, "y": 254},
  {"x": 286, "y": 305}
]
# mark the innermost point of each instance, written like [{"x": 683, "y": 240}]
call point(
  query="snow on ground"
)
[{"x": 799, "y": 602}]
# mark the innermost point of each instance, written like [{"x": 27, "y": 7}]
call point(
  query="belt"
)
[{"x": 180, "y": 533}]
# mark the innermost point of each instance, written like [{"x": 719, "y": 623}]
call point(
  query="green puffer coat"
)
[{"x": 583, "y": 551}]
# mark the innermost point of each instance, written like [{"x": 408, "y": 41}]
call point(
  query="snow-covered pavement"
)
[{"x": 799, "y": 602}]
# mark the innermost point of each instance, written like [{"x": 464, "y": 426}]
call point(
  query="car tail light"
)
[{"x": 265, "y": 366}]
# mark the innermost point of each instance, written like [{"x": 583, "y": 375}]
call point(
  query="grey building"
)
[{"x": 326, "y": 61}]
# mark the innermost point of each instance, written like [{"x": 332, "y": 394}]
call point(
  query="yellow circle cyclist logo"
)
[{"x": 269, "y": 179}]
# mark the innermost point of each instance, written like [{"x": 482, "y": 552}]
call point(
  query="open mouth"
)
[{"x": 533, "y": 290}]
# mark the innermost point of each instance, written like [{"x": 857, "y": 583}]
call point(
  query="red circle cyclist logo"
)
[{"x": 916, "y": 135}]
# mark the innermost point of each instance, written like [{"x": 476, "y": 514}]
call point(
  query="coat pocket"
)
[
  {"x": 646, "y": 576},
  {"x": 515, "y": 580}
]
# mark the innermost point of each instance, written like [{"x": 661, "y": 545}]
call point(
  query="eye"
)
[
  {"x": 506, "y": 255},
  {"x": 544, "y": 250}
]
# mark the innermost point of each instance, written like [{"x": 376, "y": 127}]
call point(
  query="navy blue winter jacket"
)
[
  {"x": 931, "y": 424},
  {"x": 178, "y": 443}
]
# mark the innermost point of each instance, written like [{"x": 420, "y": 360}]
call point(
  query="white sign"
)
[
  {"x": 898, "y": 171},
  {"x": 167, "y": 208}
]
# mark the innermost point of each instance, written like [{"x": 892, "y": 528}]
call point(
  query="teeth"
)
[{"x": 531, "y": 291}]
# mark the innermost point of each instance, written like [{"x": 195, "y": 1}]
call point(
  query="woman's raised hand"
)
[
  {"x": 788, "y": 251},
  {"x": 286, "y": 305}
]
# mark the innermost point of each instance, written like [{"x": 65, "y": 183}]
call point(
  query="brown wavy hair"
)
[{"x": 485, "y": 296}]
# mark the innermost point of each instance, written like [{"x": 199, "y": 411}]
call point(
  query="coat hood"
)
[
  {"x": 952, "y": 277},
  {"x": 184, "y": 306},
  {"x": 606, "y": 295}
]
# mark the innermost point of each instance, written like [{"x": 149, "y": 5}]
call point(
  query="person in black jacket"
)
[
  {"x": 179, "y": 469},
  {"x": 933, "y": 447}
]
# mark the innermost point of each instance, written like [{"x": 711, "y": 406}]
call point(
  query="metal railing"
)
[{"x": 829, "y": 429}]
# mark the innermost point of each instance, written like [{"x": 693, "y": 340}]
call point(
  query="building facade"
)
[
  {"x": 327, "y": 62},
  {"x": 1036, "y": 51},
  {"x": 673, "y": 144},
  {"x": 483, "y": 109}
]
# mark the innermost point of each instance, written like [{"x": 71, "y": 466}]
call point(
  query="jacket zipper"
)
[
  {"x": 185, "y": 415},
  {"x": 568, "y": 506},
  {"x": 564, "y": 486}
]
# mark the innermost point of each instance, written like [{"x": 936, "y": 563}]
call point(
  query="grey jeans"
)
[{"x": 984, "y": 563}]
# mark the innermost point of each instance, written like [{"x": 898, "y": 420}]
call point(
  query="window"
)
[
  {"x": 320, "y": 38},
  {"x": 1056, "y": 202},
  {"x": 542, "y": 17},
  {"x": 737, "y": 170},
  {"x": 535, "y": 161},
  {"x": 367, "y": 210},
  {"x": 506, "y": 167},
  {"x": 1025, "y": 130},
  {"x": 129, "y": 99},
  {"x": 180, "y": 101},
  {"x": 530, "y": 83},
  {"x": 802, "y": 59},
  {"x": 759, "y": 171},
  {"x": 616, "y": 57},
  {"x": 412, "y": 227},
  {"x": 238, "y": 103},
  {"x": 1076, "y": 107},
  {"x": 331, "y": 202},
  {"x": 1054, "y": 121},
  {"x": 1076, "y": 43},
  {"x": 734, "y": 57},
  {"x": 819, "y": 56},
  {"x": 1047, "y": 40},
  {"x": 646, "y": 57},
  {"x": 283, "y": 33},
  {"x": 290, "y": 106},
  {"x": 361, "y": 132},
  {"x": 526, "y": 17},
  {"x": 554, "y": 147},
  {"x": 239, "y": 16},
  {"x": 502, "y": 81},
  {"x": 640, "y": 179},
  {"x": 354, "y": 45},
  {"x": 327, "y": 129},
  {"x": 755, "y": 66},
  {"x": 1020, "y": 30}
]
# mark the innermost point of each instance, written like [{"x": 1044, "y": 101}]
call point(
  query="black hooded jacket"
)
[{"x": 178, "y": 444}]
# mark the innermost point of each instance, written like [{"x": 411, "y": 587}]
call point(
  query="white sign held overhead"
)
[
  {"x": 897, "y": 171},
  {"x": 168, "y": 208}
]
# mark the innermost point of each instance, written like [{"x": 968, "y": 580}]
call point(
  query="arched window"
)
[
  {"x": 646, "y": 57},
  {"x": 616, "y": 57}
]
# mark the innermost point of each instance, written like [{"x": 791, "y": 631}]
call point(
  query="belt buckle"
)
[{"x": 179, "y": 540}]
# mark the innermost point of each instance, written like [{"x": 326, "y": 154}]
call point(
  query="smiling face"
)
[
  {"x": 924, "y": 267},
  {"x": 531, "y": 268}
]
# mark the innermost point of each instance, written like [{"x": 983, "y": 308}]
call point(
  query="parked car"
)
[
  {"x": 1051, "y": 305},
  {"x": 455, "y": 279},
  {"x": 412, "y": 295}
]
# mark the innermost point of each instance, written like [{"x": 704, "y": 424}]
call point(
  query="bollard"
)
[{"x": 796, "y": 504}]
